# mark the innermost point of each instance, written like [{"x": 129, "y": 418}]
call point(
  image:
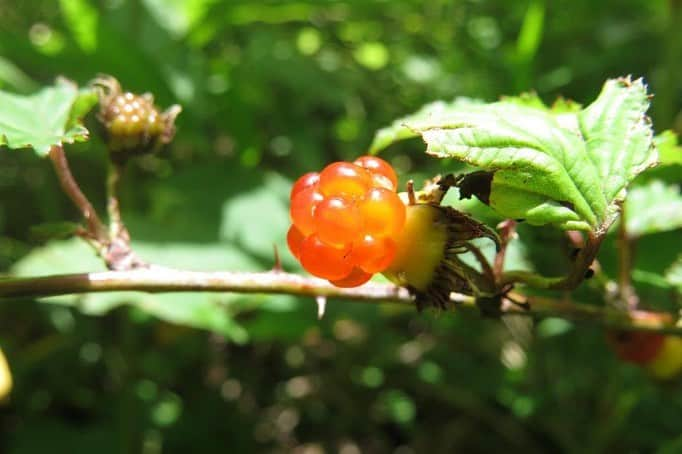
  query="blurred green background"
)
[{"x": 271, "y": 90}]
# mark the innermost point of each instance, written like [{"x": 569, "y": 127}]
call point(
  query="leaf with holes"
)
[
  {"x": 47, "y": 118},
  {"x": 561, "y": 165}
]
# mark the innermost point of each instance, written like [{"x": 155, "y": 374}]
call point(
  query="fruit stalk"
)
[{"x": 96, "y": 230}]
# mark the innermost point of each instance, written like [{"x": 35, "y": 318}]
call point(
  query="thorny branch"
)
[{"x": 157, "y": 280}]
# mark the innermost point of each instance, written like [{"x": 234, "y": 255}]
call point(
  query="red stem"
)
[{"x": 61, "y": 166}]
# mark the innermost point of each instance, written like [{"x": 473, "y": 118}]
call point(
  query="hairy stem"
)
[
  {"x": 576, "y": 275},
  {"x": 116, "y": 226},
  {"x": 96, "y": 228},
  {"x": 507, "y": 230},
  {"x": 582, "y": 263},
  {"x": 626, "y": 291},
  {"x": 156, "y": 279}
]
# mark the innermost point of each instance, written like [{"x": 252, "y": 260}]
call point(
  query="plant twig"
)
[
  {"x": 626, "y": 291},
  {"x": 119, "y": 255},
  {"x": 96, "y": 228},
  {"x": 576, "y": 275},
  {"x": 116, "y": 226},
  {"x": 582, "y": 263},
  {"x": 157, "y": 279},
  {"x": 507, "y": 230}
]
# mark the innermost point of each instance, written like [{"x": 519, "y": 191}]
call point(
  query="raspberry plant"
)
[{"x": 566, "y": 167}]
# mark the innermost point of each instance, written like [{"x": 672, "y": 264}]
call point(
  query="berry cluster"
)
[
  {"x": 345, "y": 220},
  {"x": 131, "y": 123},
  {"x": 132, "y": 119}
]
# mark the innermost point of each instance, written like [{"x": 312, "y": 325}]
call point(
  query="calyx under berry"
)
[{"x": 429, "y": 247}]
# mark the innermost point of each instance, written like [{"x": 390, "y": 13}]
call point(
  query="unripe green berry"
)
[{"x": 132, "y": 124}]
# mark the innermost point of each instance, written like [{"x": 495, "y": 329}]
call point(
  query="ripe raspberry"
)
[
  {"x": 338, "y": 221},
  {"x": 306, "y": 181},
  {"x": 343, "y": 219},
  {"x": 325, "y": 261},
  {"x": 302, "y": 209},
  {"x": 382, "y": 212},
  {"x": 355, "y": 278},
  {"x": 382, "y": 172},
  {"x": 294, "y": 240},
  {"x": 344, "y": 178},
  {"x": 636, "y": 347},
  {"x": 132, "y": 124},
  {"x": 372, "y": 254}
]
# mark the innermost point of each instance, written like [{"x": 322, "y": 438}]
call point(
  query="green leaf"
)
[
  {"x": 674, "y": 274},
  {"x": 258, "y": 218},
  {"x": 652, "y": 208},
  {"x": 669, "y": 148},
  {"x": 212, "y": 311},
  {"x": 404, "y": 128},
  {"x": 13, "y": 76},
  {"x": 178, "y": 16},
  {"x": 82, "y": 19},
  {"x": 618, "y": 134},
  {"x": 530, "y": 34},
  {"x": 551, "y": 166},
  {"x": 54, "y": 230},
  {"x": 47, "y": 118},
  {"x": 438, "y": 112}
]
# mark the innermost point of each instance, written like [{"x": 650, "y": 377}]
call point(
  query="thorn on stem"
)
[
  {"x": 321, "y": 306},
  {"x": 277, "y": 266}
]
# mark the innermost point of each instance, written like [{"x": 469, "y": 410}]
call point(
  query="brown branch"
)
[
  {"x": 119, "y": 255},
  {"x": 96, "y": 228},
  {"x": 507, "y": 230},
  {"x": 572, "y": 280},
  {"x": 156, "y": 280},
  {"x": 116, "y": 226},
  {"x": 626, "y": 291},
  {"x": 582, "y": 263}
]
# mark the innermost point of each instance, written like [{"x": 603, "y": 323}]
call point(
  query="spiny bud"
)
[{"x": 132, "y": 124}]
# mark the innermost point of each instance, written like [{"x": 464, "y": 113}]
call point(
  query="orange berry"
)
[
  {"x": 373, "y": 255},
  {"x": 337, "y": 221},
  {"x": 383, "y": 213},
  {"x": 344, "y": 178},
  {"x": 294, "y": 240},
  {"x": 378, "y": 167},
  {"x": 306, "y": 181},
  {"x": 325, "y": 261},
  {"x": 302, "y": 209},
  {"x": 355, "y": 278},
  {"x": 381, "y": 181}
]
